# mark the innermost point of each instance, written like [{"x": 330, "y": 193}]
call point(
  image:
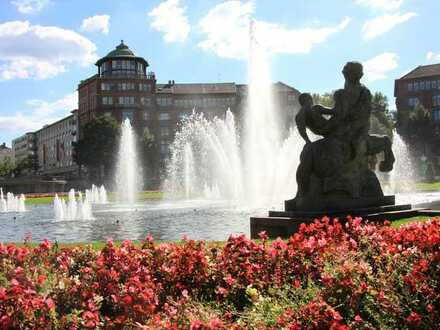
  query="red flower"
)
[
  {"x": 49, "y": 303},
  {"x": 414, "y": 318}
]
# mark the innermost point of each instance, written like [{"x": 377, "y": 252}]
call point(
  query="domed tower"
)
[{"x": 122, "y": 88}]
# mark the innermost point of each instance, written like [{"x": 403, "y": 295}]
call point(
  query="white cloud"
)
[
  {"x": 97, "y": 23},
  {"x": 40, "y": 52},
  {"x": 377, "y": 67},
  {"x": 30, "y": 6},
  {"x": 169, "y": 18},
  {"x": 432, "y": 57},
  {"x": 38, "y": 113},
  {"x": 381, "y": 4},
  {"x": 382, "y": 24},
  {"x": 226, "y": 31}
]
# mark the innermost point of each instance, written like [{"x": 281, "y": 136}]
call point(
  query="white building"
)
[{"x": 55, "y": 147}]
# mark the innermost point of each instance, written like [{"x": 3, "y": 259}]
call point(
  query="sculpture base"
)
[
  {"x": 285, "y": 223},
  {"x": 326, "y": 205}
]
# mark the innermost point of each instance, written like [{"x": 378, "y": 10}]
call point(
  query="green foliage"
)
[
  {"x": 381, "y": 120},
  {"x": 325, "y": 99},
  {"x": 7, "y": 167},
  {"x": 98, "y": 143},
  {"x": 149, "y": 151}
]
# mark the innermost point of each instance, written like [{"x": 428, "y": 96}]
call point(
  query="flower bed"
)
[{"x": 328, "y": 275}]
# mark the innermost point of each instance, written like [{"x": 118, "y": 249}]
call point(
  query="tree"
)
[
  {"x": 7, "y": 167},
  {"x": 150, "y": 155},
  {"x": 97, "y": 147},
  {"x": 325, "y": 99},
  {"x": 381, "y": 119}
]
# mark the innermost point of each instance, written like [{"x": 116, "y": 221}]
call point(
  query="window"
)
[
  {"x": 436, "y": 100},
  {"x": 164, "y": 116},
  {"x": 126, "y": 100},
  {"x": 434, "y": 84},
  {"x": 164, "y": 147},
  {"x": 107, "y": 100},
  {"x": 416, "y": 86},
  {"x": 145, "y": 87},
  {"x": 164, "y": 101},
  {"x": 164, "y": 131},
  {"x": 422, "y": 85},
  {"x": 413, "y": 101},
  {"x": 140, "y": 68},
  {"x": 145, "y": 100},
  {"x": 125, "y": 86},
  {"x": 106, "y": 86},
  {"x": 436, "y": 114},
  {"x": 146, "y": 115},
  {"x": 428, "y": 85}
]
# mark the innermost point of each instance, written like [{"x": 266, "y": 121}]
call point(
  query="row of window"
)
[
  {"x": 196, "y": 103},
  {"x": 125, "y": 100},
  {"x": 436, "y": 100},
  {"x": 125, "y": 87},
  {"x": 436, "y": 114},
  {"x": 123, "y": 65},
  {"x": 423, "y": 85},
  {"x": 413, "y": 101},
  {"x": 163, "y": 116}
]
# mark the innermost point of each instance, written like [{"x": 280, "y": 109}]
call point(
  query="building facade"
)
[
  {"x": 24, "y": 150},
  {"x": 124, "y": 88},
  {"x": 420, "y": 86},
  {"x": 55, "y": 147}
]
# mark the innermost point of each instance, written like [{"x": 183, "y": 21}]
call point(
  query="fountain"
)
[
  {"x": 402, "y": 178},
  {"x": 97, "y": 195},
  {"x": 128, "y": 179},
  {"x": 74, "y": 209},
  {"x": 247, "y": 165},
  {"x": 12, "y": 203}
]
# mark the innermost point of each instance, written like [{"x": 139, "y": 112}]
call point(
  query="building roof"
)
[
  {"x": 121, "y": 51},
  {"x": 207, "y": 88},
  {"x": 423, "y": 71},
  {"x": 214, "y": 88},
  {"x": 55, "y": 123}
]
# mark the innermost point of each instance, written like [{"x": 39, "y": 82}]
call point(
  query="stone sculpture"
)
[{"x": 333, "y": 171}]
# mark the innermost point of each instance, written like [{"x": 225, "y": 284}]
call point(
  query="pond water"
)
[
  {"x": 208, "y": 220},
  {"x": 165, "y": 220}
]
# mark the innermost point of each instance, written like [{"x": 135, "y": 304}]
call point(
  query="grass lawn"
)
[
  {"x": 142, "y": 196},
  {"x": 425, "y": 186},
  {"x": 400, "y": 222}
]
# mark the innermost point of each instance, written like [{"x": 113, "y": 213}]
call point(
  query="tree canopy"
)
[
  {"x": 98, "y": 143},
  {"x": 7, "y": 166},
  {"x": 381, "y": 120}
]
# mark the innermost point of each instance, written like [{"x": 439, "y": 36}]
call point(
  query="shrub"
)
[{"x": 328, "y": 275}]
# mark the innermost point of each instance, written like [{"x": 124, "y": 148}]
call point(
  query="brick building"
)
[
  {"x": 55, "y": 147},
  {"x": 124, "y": 88},
  {"x": 420, "y": 86}
]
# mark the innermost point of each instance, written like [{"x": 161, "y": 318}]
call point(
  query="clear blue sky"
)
[{"x": 48, "y": 46}]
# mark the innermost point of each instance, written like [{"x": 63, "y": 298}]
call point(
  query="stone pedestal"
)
[{"x": 285, "y": 223}]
